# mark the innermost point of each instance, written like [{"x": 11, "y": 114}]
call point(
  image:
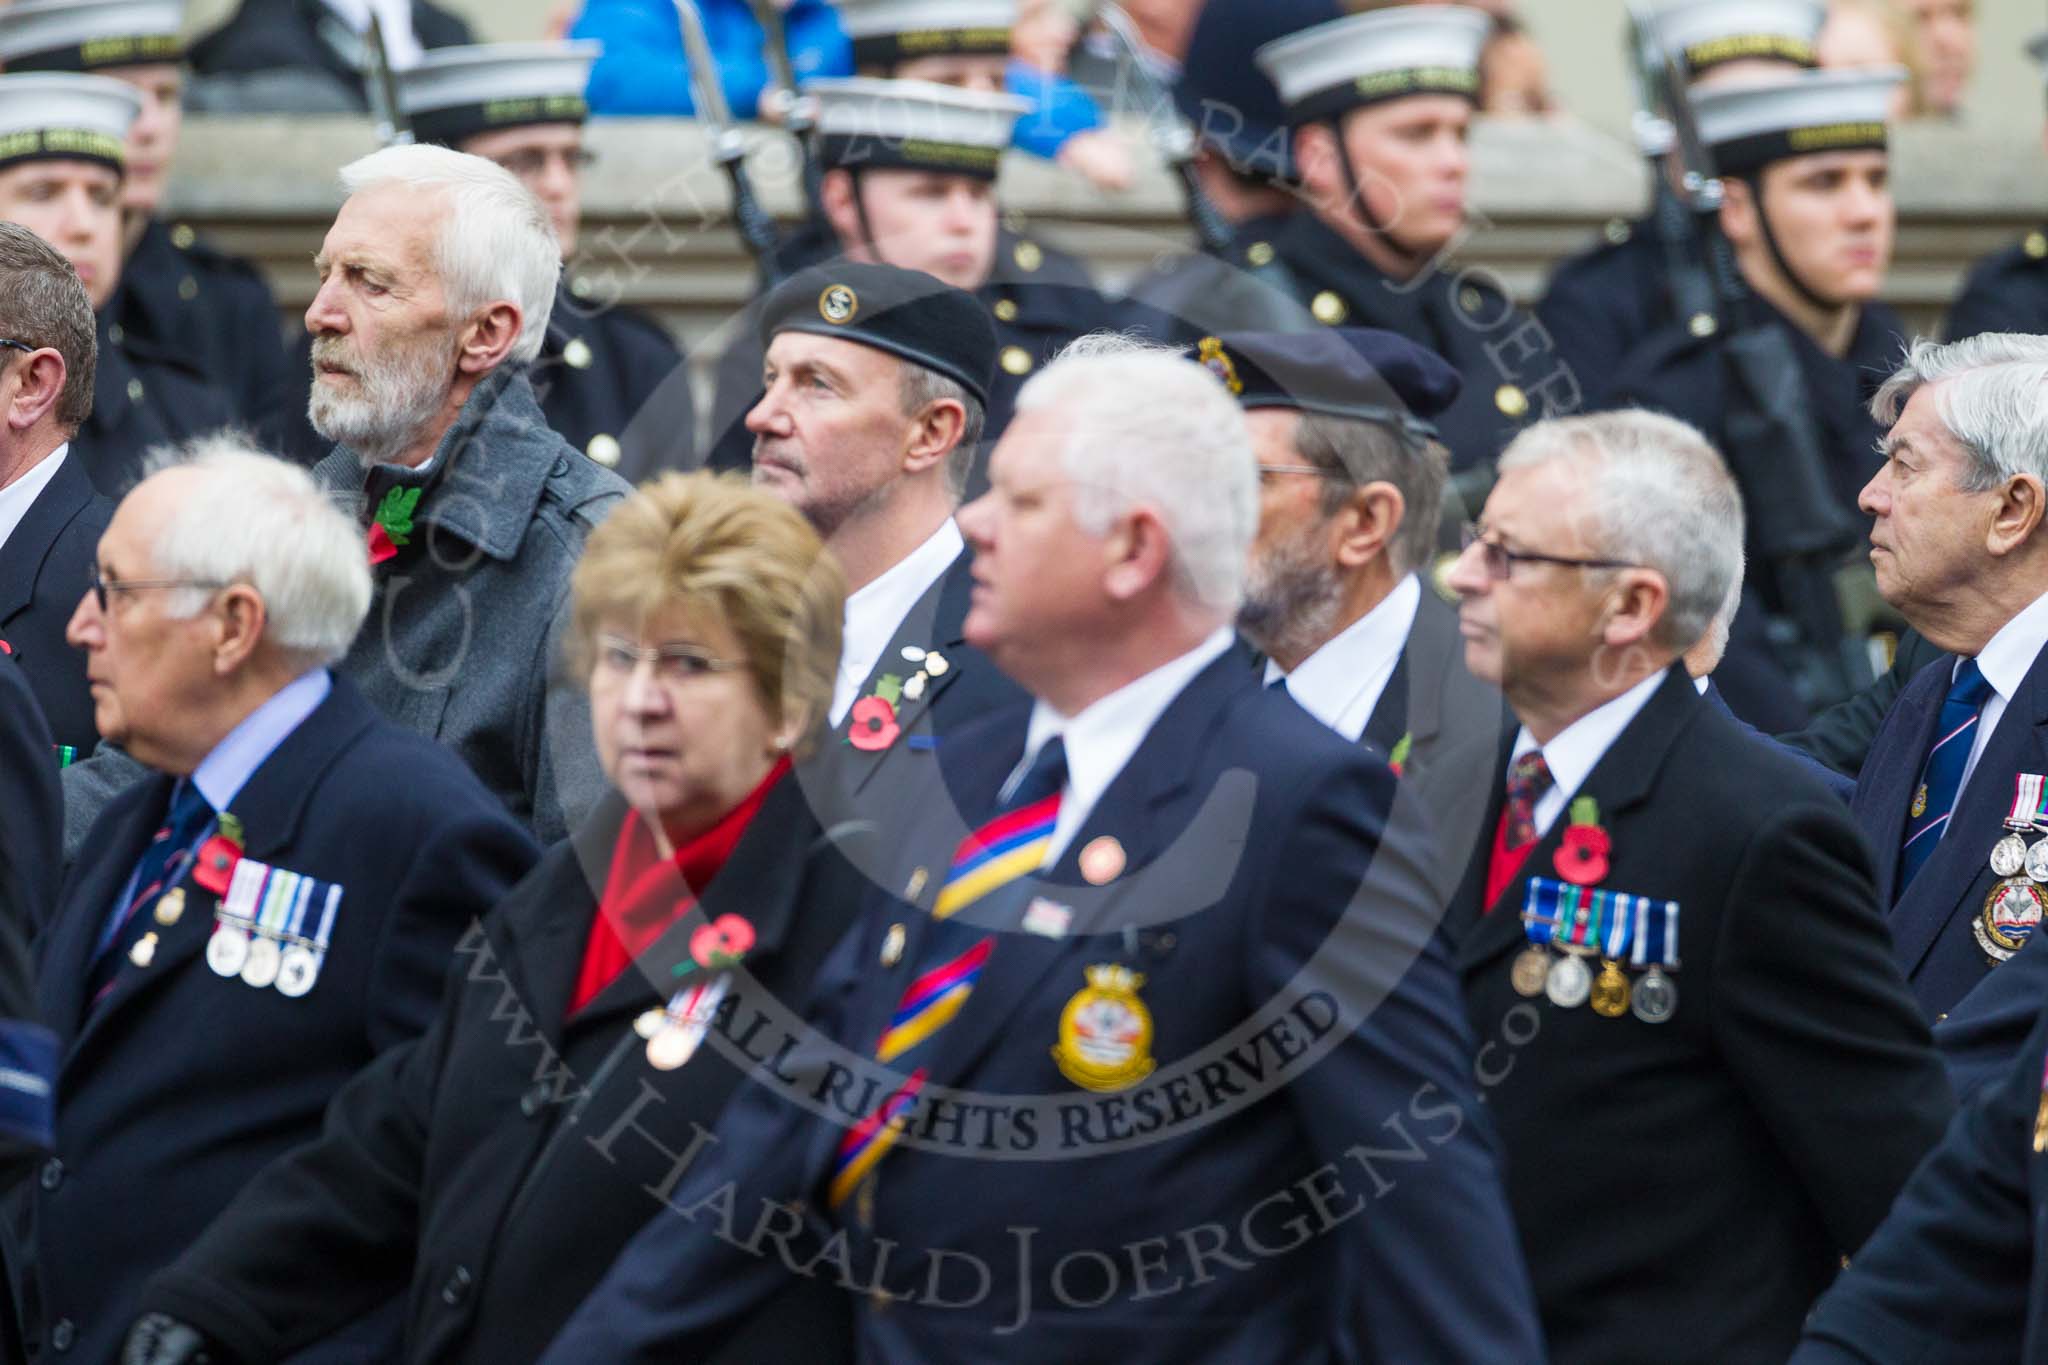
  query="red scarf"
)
[{"x": 646, "y": 895}]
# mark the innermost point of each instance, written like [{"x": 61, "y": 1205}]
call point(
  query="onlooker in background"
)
[
  {"x": 1871, "y": 35},
  {"x": 269, "y": 909},
  {"x": 177, "y": 296},
  {"x": 522, "y": 106},
  {"x": 50, "y": 517},
  {"x": 1064, "y": 125},
  {"x": 309, "y": 56},
  {"x": 1946, "y": 53},
  {"x": 642, "y": 69},
  {"x": 63, "y": 182}
]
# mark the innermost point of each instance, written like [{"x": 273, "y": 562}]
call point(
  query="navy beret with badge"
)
[
  {"x": 1361, "y": 373},
  {"x": 1233, "y": 106},
  {"x": 907, "y": 313}
]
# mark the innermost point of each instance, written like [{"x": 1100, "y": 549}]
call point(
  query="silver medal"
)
[
  {"x": 297, "y": 970},
  {"x": 1655, "y": 998},
  {"x": 1570, "y": 982},
  {"x": 2010, "y": 854},
  {"x": 264, "y": 958},
  {"x": 227, "y": 950},
  {"x": 2037, "y": 861}
]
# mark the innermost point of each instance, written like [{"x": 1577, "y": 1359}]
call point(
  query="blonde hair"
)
[{"x": 720, "y": 550}]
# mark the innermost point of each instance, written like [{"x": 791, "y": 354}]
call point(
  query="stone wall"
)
[{"x": 655, "y": 207}]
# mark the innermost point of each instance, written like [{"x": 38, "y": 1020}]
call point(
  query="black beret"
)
[
  {"x": 911, "y": 315},
  {"x": 1362, "y": 373},
  {"x": 1233, "y": 106}
]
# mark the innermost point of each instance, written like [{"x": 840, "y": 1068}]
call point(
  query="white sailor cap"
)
[
  {"x": 60, "y": 115},
  {"x": 1750, "y": 126},
  {"x": 1705, "y": 34},
  {"x": 1363, "y": 59},
  {"x": 885, "y": 32},
  {"x": 867, "y": 124},
  {"x": 458, "y": 92},
  {"x": 85, "y": 35}
]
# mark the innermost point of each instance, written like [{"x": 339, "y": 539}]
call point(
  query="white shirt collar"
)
[
  {"x": 1102, "y": 738},
  {"x": 1700, "y": 685},
  {"x": 1341, "y": 683},
  {"x": 1575, "y": 751},
  {"x": 19, "y": 496},
  {"x": 2008, "y": 655},
  {"x": 875, "y": 612}
]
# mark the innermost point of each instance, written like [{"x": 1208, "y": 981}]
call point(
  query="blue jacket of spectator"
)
[{"x": 642, "y": 70}]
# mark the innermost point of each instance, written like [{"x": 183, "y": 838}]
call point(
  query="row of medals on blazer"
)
[
  {"x": 1570, "y": 983},
  {"x": 2013, "y": 909}
]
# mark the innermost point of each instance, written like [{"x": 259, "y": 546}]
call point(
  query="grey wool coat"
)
[{"x": 463, "y": 641}]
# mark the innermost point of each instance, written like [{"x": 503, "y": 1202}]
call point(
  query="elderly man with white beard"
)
[{"x": 436, "y": 281}]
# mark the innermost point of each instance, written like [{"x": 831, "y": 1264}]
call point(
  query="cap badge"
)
[
  {"x": 1216, "y": 361},
  {"x": 838, "y": 304}
]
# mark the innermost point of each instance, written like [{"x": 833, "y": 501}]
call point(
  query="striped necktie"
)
[
  {"x": 1941, "y": 777},
  {"x": 1008, "y": 848}
]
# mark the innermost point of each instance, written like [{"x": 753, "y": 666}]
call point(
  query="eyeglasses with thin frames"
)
[
  {"x": 9, "y": 343},
  {"x": 1308, "y": 469},
  {"x": 1500, "y": 561},
  {"x": 100, "y": 587},
  {"x": 674, "y": 665}
]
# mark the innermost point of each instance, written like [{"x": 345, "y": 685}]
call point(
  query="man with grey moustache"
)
[{"x": 436, "y": 281}]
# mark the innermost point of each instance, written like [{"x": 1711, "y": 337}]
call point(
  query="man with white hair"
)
[
  {"x": 1176, "y": 861},
  {"x": 259, "y": 918},
  {"x": 436, "y": 282},
  {"x": 1953, "y": 779},
  {"x": 1668, "y": 933}
]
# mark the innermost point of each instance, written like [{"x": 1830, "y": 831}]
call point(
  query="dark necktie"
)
[
  {"x": 162, "y": 863},
  {"x": 1005, "y": 850},
  {"x": 1941, "y": 776},
  {"x": 1528, "y": 779}
]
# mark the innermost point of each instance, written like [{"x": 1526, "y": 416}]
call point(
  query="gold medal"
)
[
  {"x": 144, "y": 951},
  {"x": 1530, "y": 972},
  {"x": 170, "y": 906},
  {"x": 1610, "y": 991}
]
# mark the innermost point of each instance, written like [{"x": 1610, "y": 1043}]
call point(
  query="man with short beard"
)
[
  {"x": 1351, "y": 480},
  {"x": 435, "y": 285}
]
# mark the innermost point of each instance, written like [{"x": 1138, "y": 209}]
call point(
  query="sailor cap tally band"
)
[
  {"x": 457, "y": 92},
  {"x": 1748, "y": 127},
  {"x": 1364, "y": 59}
]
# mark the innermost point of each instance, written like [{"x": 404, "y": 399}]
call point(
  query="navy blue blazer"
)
[
  {"x": 31, "y": 815},
  {"x": 180, "y": 1085},
  {"x": 1930, "y": 923},
  {"x": 30, "y": 860},
  {"x": 1247, "y": 828},
  {"x": 1958, "y": 1273},
  {"x": 43, "y": 569},
  {"x": 1844, "y": 787},
  {"x": 1787, "y": 1098}
]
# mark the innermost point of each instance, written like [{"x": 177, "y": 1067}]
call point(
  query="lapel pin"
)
[
  {"x": 170, "y": 906},
  {"x": 915, "y": 887},
  {"x": 144, "y": 951},
  {"x": 892, "y": 945},
  {"x": 1102, "y": 861}
]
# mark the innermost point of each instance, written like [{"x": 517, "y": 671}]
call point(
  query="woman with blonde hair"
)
[{"x": 596, "y": 1022}]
